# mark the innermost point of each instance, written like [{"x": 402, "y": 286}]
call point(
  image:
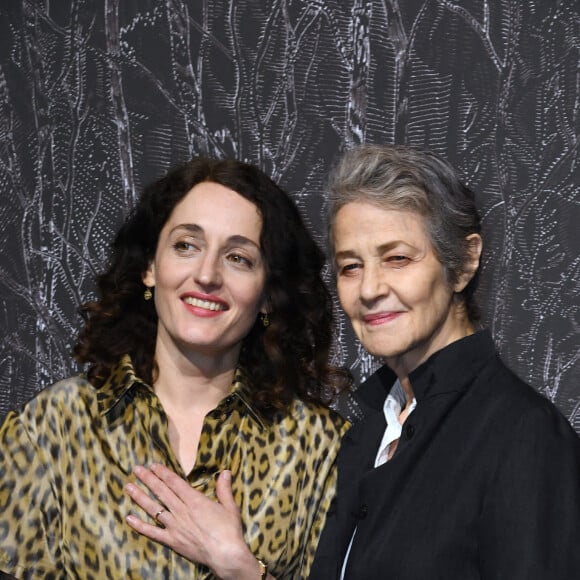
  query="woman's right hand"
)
[{"x": 199, "y": 528}]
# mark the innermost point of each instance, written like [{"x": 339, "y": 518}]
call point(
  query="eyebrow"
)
[
  {"x": 380, "y": 249},
  {"x": 235, "y": 239},
  {"x": 344, "y": 254}
]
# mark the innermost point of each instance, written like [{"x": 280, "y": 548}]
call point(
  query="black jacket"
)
[{"x": 485, "y": 482}]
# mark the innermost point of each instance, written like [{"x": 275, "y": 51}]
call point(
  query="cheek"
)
[
  {"x": 170, "y": 273},
  {"x": 252, "y": 296},
  {"x": 434, "y": 297},
  {"x": 344, "y": 297},
  {"x": 421, "y": 295}
]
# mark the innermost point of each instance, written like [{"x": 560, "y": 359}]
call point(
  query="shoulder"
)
[
  {"x": 511, "y": 393},
  {"x": 308, "y": 420},
  {"x": 319, "y": 416},
  {"x": 66, "y": 393},
  {"x": 475, "y": 362},
  {"x": 514, "y": 412},
  {"x": 55, "y": 404},
  {"x": 37, "y": 433}
]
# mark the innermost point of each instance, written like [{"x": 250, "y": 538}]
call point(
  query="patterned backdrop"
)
[{"x": 99, "y": 97}]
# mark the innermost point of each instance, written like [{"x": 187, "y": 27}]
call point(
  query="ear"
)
[
  {"x": 265, "y": 307},
  {"x": 475, "y": 245},
  {"x": 148, "y": 276}
]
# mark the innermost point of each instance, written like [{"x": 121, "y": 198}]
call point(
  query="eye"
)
[
  {"x": 240, "y": 260},
  {"x": 349, "y": 269},
  {"x": 183, "y": 246},
  {"x": 397, "y": 260}
]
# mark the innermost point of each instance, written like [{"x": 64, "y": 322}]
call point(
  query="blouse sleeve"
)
[
  {"x": 531, "y": 517},
  {"x": 29, "y": 515},
  {"x": 325, "y": 478}
]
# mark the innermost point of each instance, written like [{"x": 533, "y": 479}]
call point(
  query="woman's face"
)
[
  {"x": 208, "y": 272},
  {"x": 393, "y": 287}
]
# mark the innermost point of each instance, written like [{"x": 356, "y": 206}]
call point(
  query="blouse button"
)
[{"x": 409, "y": 431}]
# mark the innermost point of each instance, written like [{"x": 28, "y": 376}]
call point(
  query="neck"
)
[
  {"x": 193, "y": 380},
  {"x": 408, "y": 390},
  {"x": 454, "y": 328}
]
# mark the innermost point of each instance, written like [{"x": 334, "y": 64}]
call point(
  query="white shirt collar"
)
[{"x": 392, "y": 407}]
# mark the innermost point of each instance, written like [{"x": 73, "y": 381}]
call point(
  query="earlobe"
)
[
  {"x": 148, "y": 277},
  {"x": 475, "y": 246},
  {"x": 265, "y": 307}
]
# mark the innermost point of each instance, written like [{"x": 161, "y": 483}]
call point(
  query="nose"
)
[
  {"x": 373, "y": 283},
  {"x": 208, "y": 273}
]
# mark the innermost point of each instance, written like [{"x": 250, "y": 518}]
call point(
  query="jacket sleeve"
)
[
  {"x": 530, "y": 525},
  {"x": 326, "y": 561}
]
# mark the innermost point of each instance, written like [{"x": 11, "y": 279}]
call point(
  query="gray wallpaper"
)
[{"x": 98, "y": 98}]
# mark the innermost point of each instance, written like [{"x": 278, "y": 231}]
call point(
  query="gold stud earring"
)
[
  {"x": 265, "y": 320},
  {"x": 147, "y": 294}
]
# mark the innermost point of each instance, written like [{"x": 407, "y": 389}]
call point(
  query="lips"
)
[
  {"x": 205, "y": 303},
  {"x": 379, "y": 318}
]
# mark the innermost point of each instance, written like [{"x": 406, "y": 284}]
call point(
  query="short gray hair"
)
[{"x": 408, "y": 178}]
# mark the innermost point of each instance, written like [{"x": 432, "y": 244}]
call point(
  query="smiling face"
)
[
  {"x": 208, "y": 273},
  {"x": 393, "y": 287}
]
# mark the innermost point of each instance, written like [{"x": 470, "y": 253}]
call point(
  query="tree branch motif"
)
[
  {"x": 88, "y": 109},
  {"x": 120, "y": 114}
]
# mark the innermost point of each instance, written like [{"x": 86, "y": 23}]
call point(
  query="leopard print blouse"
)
[{"x": 66, "y": 456}]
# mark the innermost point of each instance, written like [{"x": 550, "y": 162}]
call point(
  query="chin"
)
[{"x": 383, "y": 350}]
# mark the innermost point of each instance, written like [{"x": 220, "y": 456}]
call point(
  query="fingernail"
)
[{"x": 227, "y": 475}]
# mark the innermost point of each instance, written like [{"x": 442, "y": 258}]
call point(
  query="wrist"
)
[{"x": 244, "y": 566}]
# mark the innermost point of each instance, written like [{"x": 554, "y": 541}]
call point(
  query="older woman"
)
[
  {"x": 459, "y": 470},
  {"x": 207, "y": 354}
]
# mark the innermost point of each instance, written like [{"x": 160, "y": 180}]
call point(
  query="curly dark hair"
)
[{"x": 288, "y": 358}]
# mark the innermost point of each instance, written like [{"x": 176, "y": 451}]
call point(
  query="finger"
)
[
  {"x": 179, "y": 486},
  {"x": 156, "y": 533},
  {"x": 142, "y": 499},
  {"x": 165, "y": 494},
  {"x": 183, "y": 496},
  {"x": 224, "y": 491},
  {"x": 157, "y": 512}
]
